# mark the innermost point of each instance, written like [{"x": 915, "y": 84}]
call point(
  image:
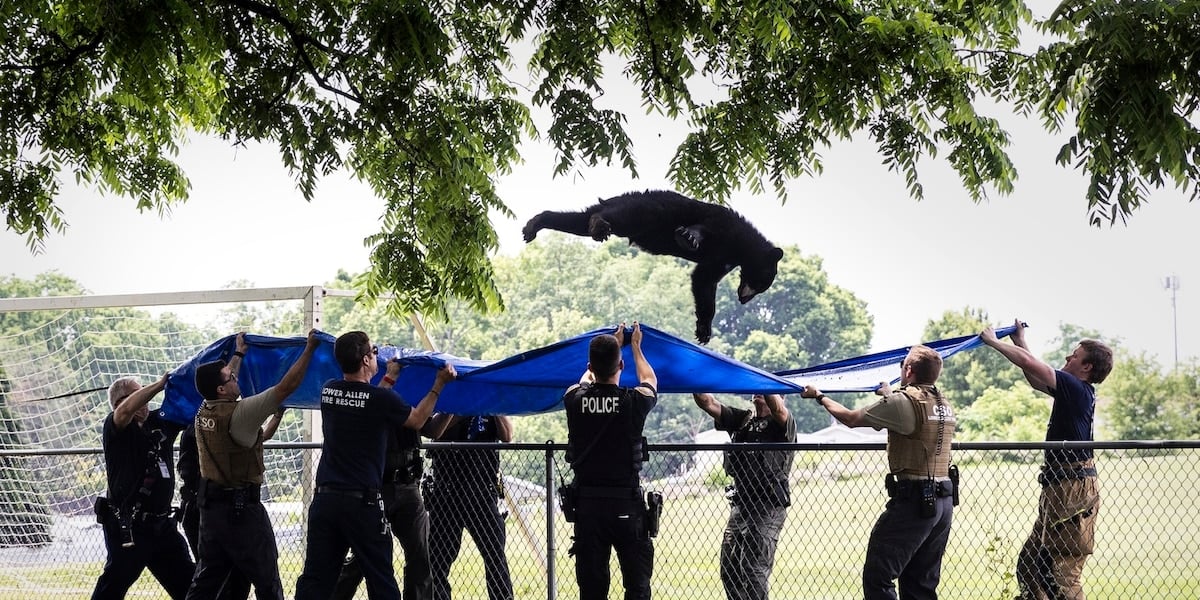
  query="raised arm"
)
[
  {"x": 645, "y": 372},
  {"x": 295, "y": 375},
  {"x": 424, "y": 409},
  {"x": 438, "y": 424},
  {"x": 778, "y": 409},
  {"x": 1039, "y": 374},
  {"x": 272, "y": 424},
  {"x": 126, "y": 408},
  {"x": 708, "y": 403},
  {"x": 239, "y": 352},
  {"x": 504, "y": 429}
]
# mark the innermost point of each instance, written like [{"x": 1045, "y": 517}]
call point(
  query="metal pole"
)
[
  {"x": 1171, "y": 284},
  {"x": 551, "y": 584}
]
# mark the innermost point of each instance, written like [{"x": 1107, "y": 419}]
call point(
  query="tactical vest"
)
[
  {"x": 604, "y": 437},
  {"x": 468, "y": 465},
  {"x": 927, "y": 451},
  {"x": 222, "y": 460},
  {"x": 760, "y": 476}
]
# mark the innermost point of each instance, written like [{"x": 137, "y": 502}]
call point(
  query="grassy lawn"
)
[{"x": 1146, "y": 542}]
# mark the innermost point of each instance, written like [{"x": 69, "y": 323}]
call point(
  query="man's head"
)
[
  {"x": 760, "y": 405},
  {"x": 354, "y": 353},
  {"x": 1091, "y": 361},
  {"x": 121, "y": 389},
  {"x": 215, "y": 381},
  {"x": 604, "y": 356},
  {"x": 922, "y": 366}
]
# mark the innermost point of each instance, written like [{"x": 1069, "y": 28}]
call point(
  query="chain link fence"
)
[{"x": 1145, "y": 547}]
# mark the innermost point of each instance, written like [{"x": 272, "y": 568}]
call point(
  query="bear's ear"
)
[{"x": 776, "y": 254}]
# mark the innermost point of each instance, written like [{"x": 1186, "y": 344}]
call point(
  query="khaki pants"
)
[{"x": 1050, "y": 566}]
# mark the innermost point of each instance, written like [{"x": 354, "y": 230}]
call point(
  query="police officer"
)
[
  {"x": 347, "y": 510},
  {"x": 606, "y": 450},
  {"x": 1050, "y": 564},
  {"x": 760, "y": 494},
  {"x": 909, "y": 539},
  {"x": 235, "y": 529},
  {"x": 405, "y": 510},
  {"x": 236, "y": 587},
  {"x": 464, "y": 495},
  {"x": 139, "y": 532}
]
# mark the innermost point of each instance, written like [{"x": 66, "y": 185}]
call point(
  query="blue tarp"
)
[{"x": 533, "y": 381}]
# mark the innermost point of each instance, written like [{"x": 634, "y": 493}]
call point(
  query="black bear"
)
[{"x": 716, "y": 238}]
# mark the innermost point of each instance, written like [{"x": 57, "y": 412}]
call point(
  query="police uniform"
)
[
  {"x": 188, "y": 467},
  {"x": 236, "y": 535},
  {"x": 406, "y": 513},
  {"x": 139, "y": 530},
  {"x": 909, "y": 539},
  {"x": 606, "y": 450},
  {"x": 1050, "y": 564},
  {"x": 463, "y": 495},
  {"x": 347, "y": 510},
  {"x": 758, "y": 499}
]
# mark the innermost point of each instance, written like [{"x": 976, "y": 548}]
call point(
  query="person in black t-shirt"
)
[
  {"x": 463, "y": 495},
  {"x": 347, "y": 511},
  {"x": 139, "y": 532},
  {"x": 760, "y": 494}
]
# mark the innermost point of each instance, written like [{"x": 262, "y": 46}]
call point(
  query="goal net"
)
[{"x": 55, "y": 369}]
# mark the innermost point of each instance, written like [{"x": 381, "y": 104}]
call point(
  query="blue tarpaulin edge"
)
[{"x": 533, "y": 381}]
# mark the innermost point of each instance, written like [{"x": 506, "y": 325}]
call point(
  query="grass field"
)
[{"x": 1147, "y": 540}]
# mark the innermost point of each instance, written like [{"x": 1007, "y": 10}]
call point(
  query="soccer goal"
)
[{"x": 58, "y": 356}]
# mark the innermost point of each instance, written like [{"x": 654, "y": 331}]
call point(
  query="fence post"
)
[{"x": 551, "y": 585}]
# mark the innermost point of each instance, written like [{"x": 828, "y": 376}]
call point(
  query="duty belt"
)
[
  {"x": 904, "y": 489},
  {"x": 360, "y": 494},
  {"x": 148, "y": 516},
  {"x": 251, "y": 493},
  {"x": 1051, "y": 474},
  {"x": 614, "y": 493}
]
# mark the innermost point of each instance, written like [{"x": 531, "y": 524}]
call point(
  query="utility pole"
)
[{"x": 1171, "y": 284}]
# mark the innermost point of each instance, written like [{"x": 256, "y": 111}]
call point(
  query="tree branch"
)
[
  {"x": 72, "y": 55},
  {"x": 301, "y": 41}
]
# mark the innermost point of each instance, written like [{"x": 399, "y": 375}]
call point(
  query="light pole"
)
[{"x": 1171, "y": 284}]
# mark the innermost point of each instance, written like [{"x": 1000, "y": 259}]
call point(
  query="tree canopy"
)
[{"x": 427, "y": 101}]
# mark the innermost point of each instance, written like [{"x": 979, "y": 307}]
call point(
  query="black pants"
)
[
  {"x": 158, "y": 546},
  {"x": 907, "y": 547},
  {"x": 236, "y": 586},
  {"x": 453, "y": 507},
  {"x": 748, "y": 550},
  {"x": 338, "y": 523},
  {"x": 233, "y": 542},
  {"x": 410, "y": 524},
  {"x": 604, "y": 525}
]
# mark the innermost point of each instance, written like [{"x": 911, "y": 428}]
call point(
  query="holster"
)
[
  {"x": 568, "y": 500},
  {"x": 654, "y": 508},
  {"x": 102, "y": 509}
]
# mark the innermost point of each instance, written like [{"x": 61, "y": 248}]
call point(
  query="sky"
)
[{"x": 1031, "y": 254}]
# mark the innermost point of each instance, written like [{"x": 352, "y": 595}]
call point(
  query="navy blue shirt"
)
[
  {"x": 1071, "y": 417},
  {"x": 138, "y": 461},
  {"x": 356, "y": 419}
]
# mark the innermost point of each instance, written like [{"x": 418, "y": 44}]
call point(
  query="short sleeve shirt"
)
[
  {"x": 1071, "y": 417},
  {"x": 893, "y": 412},
  {"x": 138, "y": 461},
  {"x": 356, "y": 419}
]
